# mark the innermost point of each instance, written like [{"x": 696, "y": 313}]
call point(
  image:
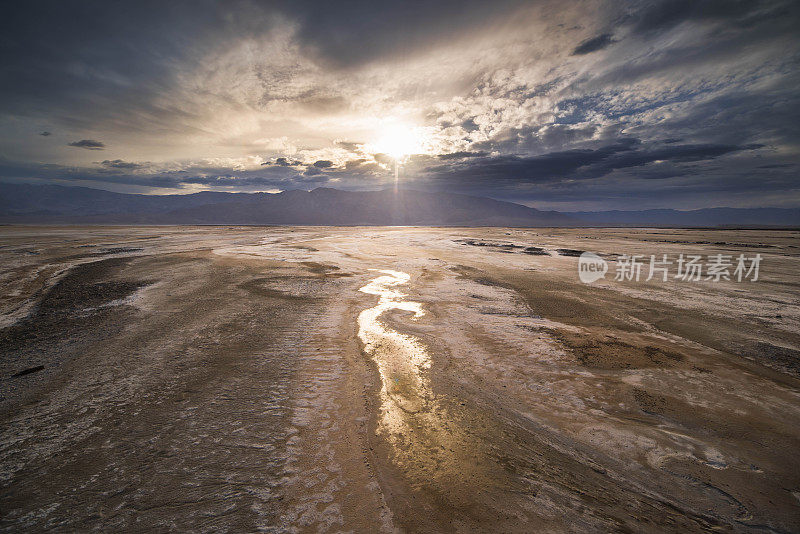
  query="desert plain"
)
[{"x": 390, "y": 379}]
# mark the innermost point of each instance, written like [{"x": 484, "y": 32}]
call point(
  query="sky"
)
[{"x": 566, "y": 105}]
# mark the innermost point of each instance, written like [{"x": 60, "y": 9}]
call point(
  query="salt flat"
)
[{"x": 395, "y": 379}]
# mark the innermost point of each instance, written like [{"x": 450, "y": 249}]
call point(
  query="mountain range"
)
[
  {"x": 49, "y": 204},
  {"x": 708, "y": 217},
  {"x": 52, "y": 204}
]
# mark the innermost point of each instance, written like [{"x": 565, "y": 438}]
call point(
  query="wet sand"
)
[{"x": 393, "y": 380}]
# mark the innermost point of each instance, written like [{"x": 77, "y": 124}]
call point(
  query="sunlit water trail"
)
[
  {"x": 428, "y": 442},
  {"x": 401, "y": 359}
]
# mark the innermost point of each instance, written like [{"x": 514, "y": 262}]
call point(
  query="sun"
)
[{"x": 398, "y": 142}]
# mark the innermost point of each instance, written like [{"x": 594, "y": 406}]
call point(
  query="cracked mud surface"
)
[{"x": 393, "y": 379}]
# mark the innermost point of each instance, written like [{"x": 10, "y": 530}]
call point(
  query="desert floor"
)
[{"x": 394, "y": 379}]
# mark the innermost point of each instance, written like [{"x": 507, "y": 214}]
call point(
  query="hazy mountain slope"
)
[
  {"x": 330, "y": 206},
  {"x": 50, "y": 204},
  {"x": 57, "y": 201},
  {"x": 701, "y": 217},
  {"x": 324, "y": 206}
]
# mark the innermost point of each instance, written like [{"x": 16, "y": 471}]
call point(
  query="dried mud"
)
[{"x": 268, "y": 379}]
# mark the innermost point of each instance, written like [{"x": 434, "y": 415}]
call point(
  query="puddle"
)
[
  {"x": 428, "y": 440},
  {"x": 401, "y": 359}
]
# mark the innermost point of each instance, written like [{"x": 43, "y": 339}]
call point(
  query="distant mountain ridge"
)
[
  {"x": 49, "y": 204},
  {"x": 53, "y": 204},
  {"x": 707, "y": 217}
]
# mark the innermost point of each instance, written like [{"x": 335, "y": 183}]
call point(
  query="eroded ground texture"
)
[{"x": 393, "y": 379}]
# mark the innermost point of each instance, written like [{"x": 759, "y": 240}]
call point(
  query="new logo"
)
[{"x": 591, "y": 267}]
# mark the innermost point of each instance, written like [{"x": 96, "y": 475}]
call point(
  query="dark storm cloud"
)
[
  {"x": 349, "y": 145},
  {"x": 546, "y": 167},
  {"x": 362, "y": 167},
  {"x": 777, "y": 166},
  {"x": 96, "y": 60},
  {"x": 117, "y": 173},
  {"x": 355, "y": 163},
  {"x": 284, "y": 162},
  {"x": 537, "y": 138},
  {"x": 346, "y": 34},
  {"x": 664, "y": 15},
  {"x": 120, "y": 164},
  {"x": 323, "y": 164},
  {"x": 60, "y": 174},
  {"x": 469, "y": 125},
  {"x": 88, "y": 144},
  {"x": 624, "y": 175},
  {"x": 313, "y": 171},
  {"x": 101, "y": 59},
  {"x": 593, "y": 45},
  {"x": 587, "y": 164},
  {"x": 240, "y": 182},
  {"x": 462, "y": 155}
]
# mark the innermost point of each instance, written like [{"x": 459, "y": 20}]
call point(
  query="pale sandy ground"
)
[{"x": 273, "y": 379}]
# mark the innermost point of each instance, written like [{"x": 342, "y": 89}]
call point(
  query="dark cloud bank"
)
[{"x": 88, "y": 144}]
